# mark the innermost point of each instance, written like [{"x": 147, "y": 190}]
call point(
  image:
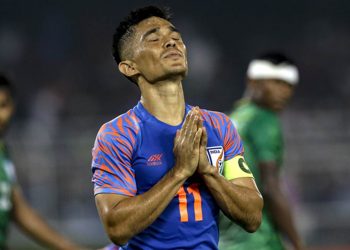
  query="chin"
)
[
  {"x": 177, "y": 70},
  {"x": 278, "y": 108}
]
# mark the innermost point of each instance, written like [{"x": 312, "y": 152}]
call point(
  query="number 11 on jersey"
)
[{"x": 182, "y": 195}]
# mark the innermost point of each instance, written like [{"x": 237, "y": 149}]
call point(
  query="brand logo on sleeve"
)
[
  {"x": 155, "y": 160},
  {"x": 216, "y": 157}
]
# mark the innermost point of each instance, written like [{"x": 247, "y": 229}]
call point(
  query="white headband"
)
[{"x": 261, "y": 69}]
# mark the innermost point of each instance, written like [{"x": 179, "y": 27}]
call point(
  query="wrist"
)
[
  {"x": 209, "y": 170},
  {"x": 179, "y": 174}
]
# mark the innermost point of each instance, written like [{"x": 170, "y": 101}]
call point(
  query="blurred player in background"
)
[
  {"x": 12, "y": 203},
  {"x": 157, "y": 169},
  {"x": 271, "y": 80}
]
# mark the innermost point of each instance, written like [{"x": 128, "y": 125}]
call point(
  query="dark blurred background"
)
[{"x": 58, "y": 54}]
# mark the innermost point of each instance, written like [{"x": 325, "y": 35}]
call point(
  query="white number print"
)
[{"x": 5, "y": 196}]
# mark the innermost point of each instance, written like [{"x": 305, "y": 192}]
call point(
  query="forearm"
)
[
  {"x": 28, "y": 220},
  {"x": 132, "y": 215},
  {"x": 241, "y": 204},
  {"x": 278, "y": 206}
]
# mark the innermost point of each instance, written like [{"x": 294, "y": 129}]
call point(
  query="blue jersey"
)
[{"x": 135, "y": 150}]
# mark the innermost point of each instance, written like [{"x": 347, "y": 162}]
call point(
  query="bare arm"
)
[
  {"x": 277, "y": 203},
  {"x": 239, "y": 199},
  {"x": 28, "y": 220},
  {"x": 123, "y": 217}
]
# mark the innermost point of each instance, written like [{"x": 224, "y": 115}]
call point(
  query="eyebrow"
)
[
  {"x": 173, "y": 29},
  {"x": 154, "y": 30}
]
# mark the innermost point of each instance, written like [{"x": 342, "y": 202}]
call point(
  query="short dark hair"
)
[
  {"x": 125, "y": 28},
  {"x": 276, "y": 58},
  {"x": 5, "y": 84}
]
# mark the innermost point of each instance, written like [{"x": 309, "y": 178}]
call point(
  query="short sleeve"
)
[
  {"x": 232, "y": 142},
  {"x": 112, "y": 161},
  {"x": 10, "y": 171},
  {"x": 267, "y": 140}
]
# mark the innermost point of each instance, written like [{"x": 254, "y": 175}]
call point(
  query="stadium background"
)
[{"x": 58, "y": 53}]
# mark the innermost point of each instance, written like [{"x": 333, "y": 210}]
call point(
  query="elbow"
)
[
  {"x": 254, "y": 223},
  {"x": 117, "y": 229},
  {"x": 118, "y": 232},
  {"x": 253, "y": 220},
  {"x": 118, "y": 236}
]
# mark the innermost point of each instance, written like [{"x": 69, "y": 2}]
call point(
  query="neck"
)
[
  {"x": 165, "y": 100},
  {"x": 256, "y": 97}
]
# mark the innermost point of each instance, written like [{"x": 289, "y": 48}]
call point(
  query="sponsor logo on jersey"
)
[
  {"x": 216, "y": 157},
  {"x": 155, "y": 160}
]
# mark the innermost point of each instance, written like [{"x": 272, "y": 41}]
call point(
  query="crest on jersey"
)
[{"x": 216, "y": 157}]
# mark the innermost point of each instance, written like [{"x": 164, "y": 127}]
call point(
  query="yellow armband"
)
[{"x": 236, "y": 168}]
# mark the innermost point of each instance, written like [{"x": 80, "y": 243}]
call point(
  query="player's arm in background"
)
[
  {"x": 267, "y": 145},
  {"x": 277, "y": 203},
  {"x": 124, "y": 216},
  {"x": 31, "y": 223},
  {"x": 238, "y": 197}
]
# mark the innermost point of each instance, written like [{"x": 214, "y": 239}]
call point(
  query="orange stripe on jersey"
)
[
  {"x": 103, "y": 148},
  {"x": 205, "y": 115},
  {"x": 227, "y": 145},
  {"x": 122, "y": 191},
  {"x": 120, "y": 124},
  {"x": 104, "y": 167},
  {"x": 128, "y": 146},
  {"x": 222, "y": 120},
  {"x": 228, "y": 134},
  {"x": 217, "y": 126},
  {"x": 131, "y": 136},
  {"x": 118, "y": 138},
  {"x": 126, "y": 171},
  {"x": 135, "y": 121},
  {"x": 129, "y": 122},
  {"x": 108, "y": 180}
]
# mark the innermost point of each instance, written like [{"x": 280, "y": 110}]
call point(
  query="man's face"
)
[
  {"x": 6, "y": 110},
  {"x": 275, "y": 93},
  {"x": 159, "y": 52}
]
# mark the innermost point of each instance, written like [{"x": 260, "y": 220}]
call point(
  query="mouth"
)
[{"x": 172, "y": 54}]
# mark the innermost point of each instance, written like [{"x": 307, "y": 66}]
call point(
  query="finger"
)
[
  {"x": 176, "y": 139},
  {"x": 197, "y": 138},
  {"x": 189, "y": 123},
  {"x": 204, "y": 138},
  {"x": 200, "y": 122},
  {"x": 192, "y": 127},
  {"x": 186, "y": 122}
]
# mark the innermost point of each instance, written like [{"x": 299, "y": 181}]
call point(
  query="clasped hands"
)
[{"x": 190, "y": 146}]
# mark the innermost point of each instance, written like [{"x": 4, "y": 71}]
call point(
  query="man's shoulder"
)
[
  {"x": 214, "y": 117},
  {"x": 124, "y": 124}
]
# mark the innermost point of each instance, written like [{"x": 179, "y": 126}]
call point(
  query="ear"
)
[{"x": 128, "y": 68}]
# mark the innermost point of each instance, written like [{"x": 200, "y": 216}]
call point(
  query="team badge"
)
[{"x": 216, "y": 157}]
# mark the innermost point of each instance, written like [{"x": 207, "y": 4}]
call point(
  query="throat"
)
[
  {"x": 172, "y": 117},
  {"x": 172, "y": 114},
  {"x": 166, "y": 104}
]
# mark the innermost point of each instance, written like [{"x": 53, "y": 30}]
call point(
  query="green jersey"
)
[
  {"x": 261, "y": 134},
  {"x": 7, "y": 180}
]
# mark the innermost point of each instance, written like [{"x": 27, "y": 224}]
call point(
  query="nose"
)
[{"x": 170, "y": 43}]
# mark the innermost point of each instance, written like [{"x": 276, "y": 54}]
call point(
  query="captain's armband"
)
[{"x": 236, "y": 168}]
